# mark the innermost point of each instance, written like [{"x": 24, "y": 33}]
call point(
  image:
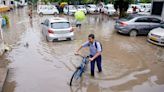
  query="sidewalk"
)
[
  {"x": 3, "y": 71},
  {"x": 3, "y": 75}
]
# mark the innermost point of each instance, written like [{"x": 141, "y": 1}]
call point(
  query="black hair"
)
[{"x": 92, "y": 36}]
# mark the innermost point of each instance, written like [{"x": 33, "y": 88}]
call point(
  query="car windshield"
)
[
  {"x": 129, "y": 17},
  {"x": 93, "y": 6},
  {"x": 72, "y": 7},
  {"x": 110, "y": 7},
  {"x": 60, "y": 25},
  {"x": 80, "y": 7}
]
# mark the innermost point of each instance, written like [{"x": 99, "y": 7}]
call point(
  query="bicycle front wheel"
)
[{"x": 76, "y": 77}]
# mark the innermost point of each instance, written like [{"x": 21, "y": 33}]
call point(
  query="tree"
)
[
  {"x": 122, "y": 6},
  {"x": 145, "y": 1}
]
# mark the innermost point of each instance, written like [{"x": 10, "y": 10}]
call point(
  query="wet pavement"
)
[{"x": 129, "y": 64}]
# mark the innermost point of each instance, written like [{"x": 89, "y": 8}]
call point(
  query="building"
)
[{"x": 158, "y": 8}]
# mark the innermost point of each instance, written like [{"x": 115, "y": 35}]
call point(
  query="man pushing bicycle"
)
[{"x": 95, "y": 53}]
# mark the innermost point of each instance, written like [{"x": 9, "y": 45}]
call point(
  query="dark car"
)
[{"x": 134, "y": 25}]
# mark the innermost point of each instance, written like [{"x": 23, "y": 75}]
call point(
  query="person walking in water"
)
[{"x": 95, "y": 53}]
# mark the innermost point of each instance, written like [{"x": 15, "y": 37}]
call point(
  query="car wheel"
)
[
  {"x": 55, "y": 14},
  {"x": 133, "y": 33},
  {"x": 41, "y": 14}
]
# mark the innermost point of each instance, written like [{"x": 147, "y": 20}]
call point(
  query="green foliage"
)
[{"x": 145, "y": 1}]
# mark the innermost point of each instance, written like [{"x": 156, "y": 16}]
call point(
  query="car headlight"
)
[{"x": 149, "y": 34}]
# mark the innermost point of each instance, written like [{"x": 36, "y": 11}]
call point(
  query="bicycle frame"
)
[
  {"x": 83, "y": 65},
  {"x": 79, "y": 71}
]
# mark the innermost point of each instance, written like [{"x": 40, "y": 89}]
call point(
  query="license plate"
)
[
  {"x": 62, "y": 38},
  {"x": 153, "y": 38}
]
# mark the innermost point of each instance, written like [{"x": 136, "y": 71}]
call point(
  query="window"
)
[
  {"x": 143, "y": 20},
  {"x": 12, "y": 2},
  {"x": 129, "y": 17},
  {"x": 60, "y": 25},
  {"x": 155, "y": 20}
]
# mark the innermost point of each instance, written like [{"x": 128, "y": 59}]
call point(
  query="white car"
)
[
  {"x": 57, "y": 29},
  {"x": 82, "y": 8},
  {"x": 145, "y": 7},
  {"x": 69, "y": 9},
  {"x": 47, "y": 9},
  {"x": 91, "y": 8},
  {"x": 130, "y": 9},
  {"x": 156, "y": 36},
  {"x": 109, "y": 9}
]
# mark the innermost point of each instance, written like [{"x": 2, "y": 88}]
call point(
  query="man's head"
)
[{"x": 91, "y": 38}]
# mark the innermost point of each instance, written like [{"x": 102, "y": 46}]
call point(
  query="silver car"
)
[
  {"x": 156, "y": 36},
  {"x": 137, "y": 24},
  {"x": 57, "y": 29}
]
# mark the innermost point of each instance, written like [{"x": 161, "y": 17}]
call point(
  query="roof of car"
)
[
  {"x": 58, "y": 19},
  {"x": 149, "y": 16}
]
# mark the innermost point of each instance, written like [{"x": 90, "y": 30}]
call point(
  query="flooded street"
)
[{"x": 129, "y": 64}]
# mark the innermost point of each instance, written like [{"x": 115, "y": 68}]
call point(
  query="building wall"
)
[
  {"x": 162, "y": 13},
  {"x": 161, "y": 1}
]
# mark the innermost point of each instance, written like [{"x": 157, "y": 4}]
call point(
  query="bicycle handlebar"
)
[{"x": 82, "y": 56}]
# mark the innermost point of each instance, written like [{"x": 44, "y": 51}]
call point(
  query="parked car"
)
[
  {"x": 57, "y": 29},
  {"x": 136, "y": 24},
  {"x": 82, "y": 8},
  {"x": 145, "y": 7},
  {"x": 69, "y": 9},
  {"x": 47, "y": 9},
  {"x": 156, "y": 35},
  {"x": 130, "y": 9},
  {"x": 109, "y": 9},
  {"x": 92, "y": 8}
]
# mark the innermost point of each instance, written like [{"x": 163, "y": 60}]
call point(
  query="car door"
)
[
  {"x": 154, "y": 23},
  {"x": 142, "y": 25},
  {"x": 44, "y": 10},
  {"x": 106, "y": 9},
  {"x": 66, "y": 10},
  {"x": 52, "y": 10}
]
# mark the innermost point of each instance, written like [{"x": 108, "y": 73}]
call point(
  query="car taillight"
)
[
  {"x": 50, "y": 31},
  {"x": 123, "y": 24},
  {"x": 71, "y": 30}
]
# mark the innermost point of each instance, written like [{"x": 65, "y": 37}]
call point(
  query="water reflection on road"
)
[{"x": 129, "y": 64}]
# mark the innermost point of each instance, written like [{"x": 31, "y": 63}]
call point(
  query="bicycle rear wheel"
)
[{"x": 76, "y": 77}]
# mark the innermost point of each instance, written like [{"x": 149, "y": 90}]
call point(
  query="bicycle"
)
[{"x": 79, "y": 70}]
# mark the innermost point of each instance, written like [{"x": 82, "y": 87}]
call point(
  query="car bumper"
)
[
  {"x": 68, "y": 36},
  {"x": 155, "y": 40},
  {"x": 122, "y": 30}
]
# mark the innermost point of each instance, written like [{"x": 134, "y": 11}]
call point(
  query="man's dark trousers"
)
[{"x": 98, "y": 61}]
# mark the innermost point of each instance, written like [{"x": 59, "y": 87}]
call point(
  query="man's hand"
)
[
  {"x": 76, "y": 53},
  {"x": 91, "y": 59}
]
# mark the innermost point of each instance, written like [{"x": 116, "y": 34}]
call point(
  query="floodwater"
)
[{"x": 129, "y": 64}]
